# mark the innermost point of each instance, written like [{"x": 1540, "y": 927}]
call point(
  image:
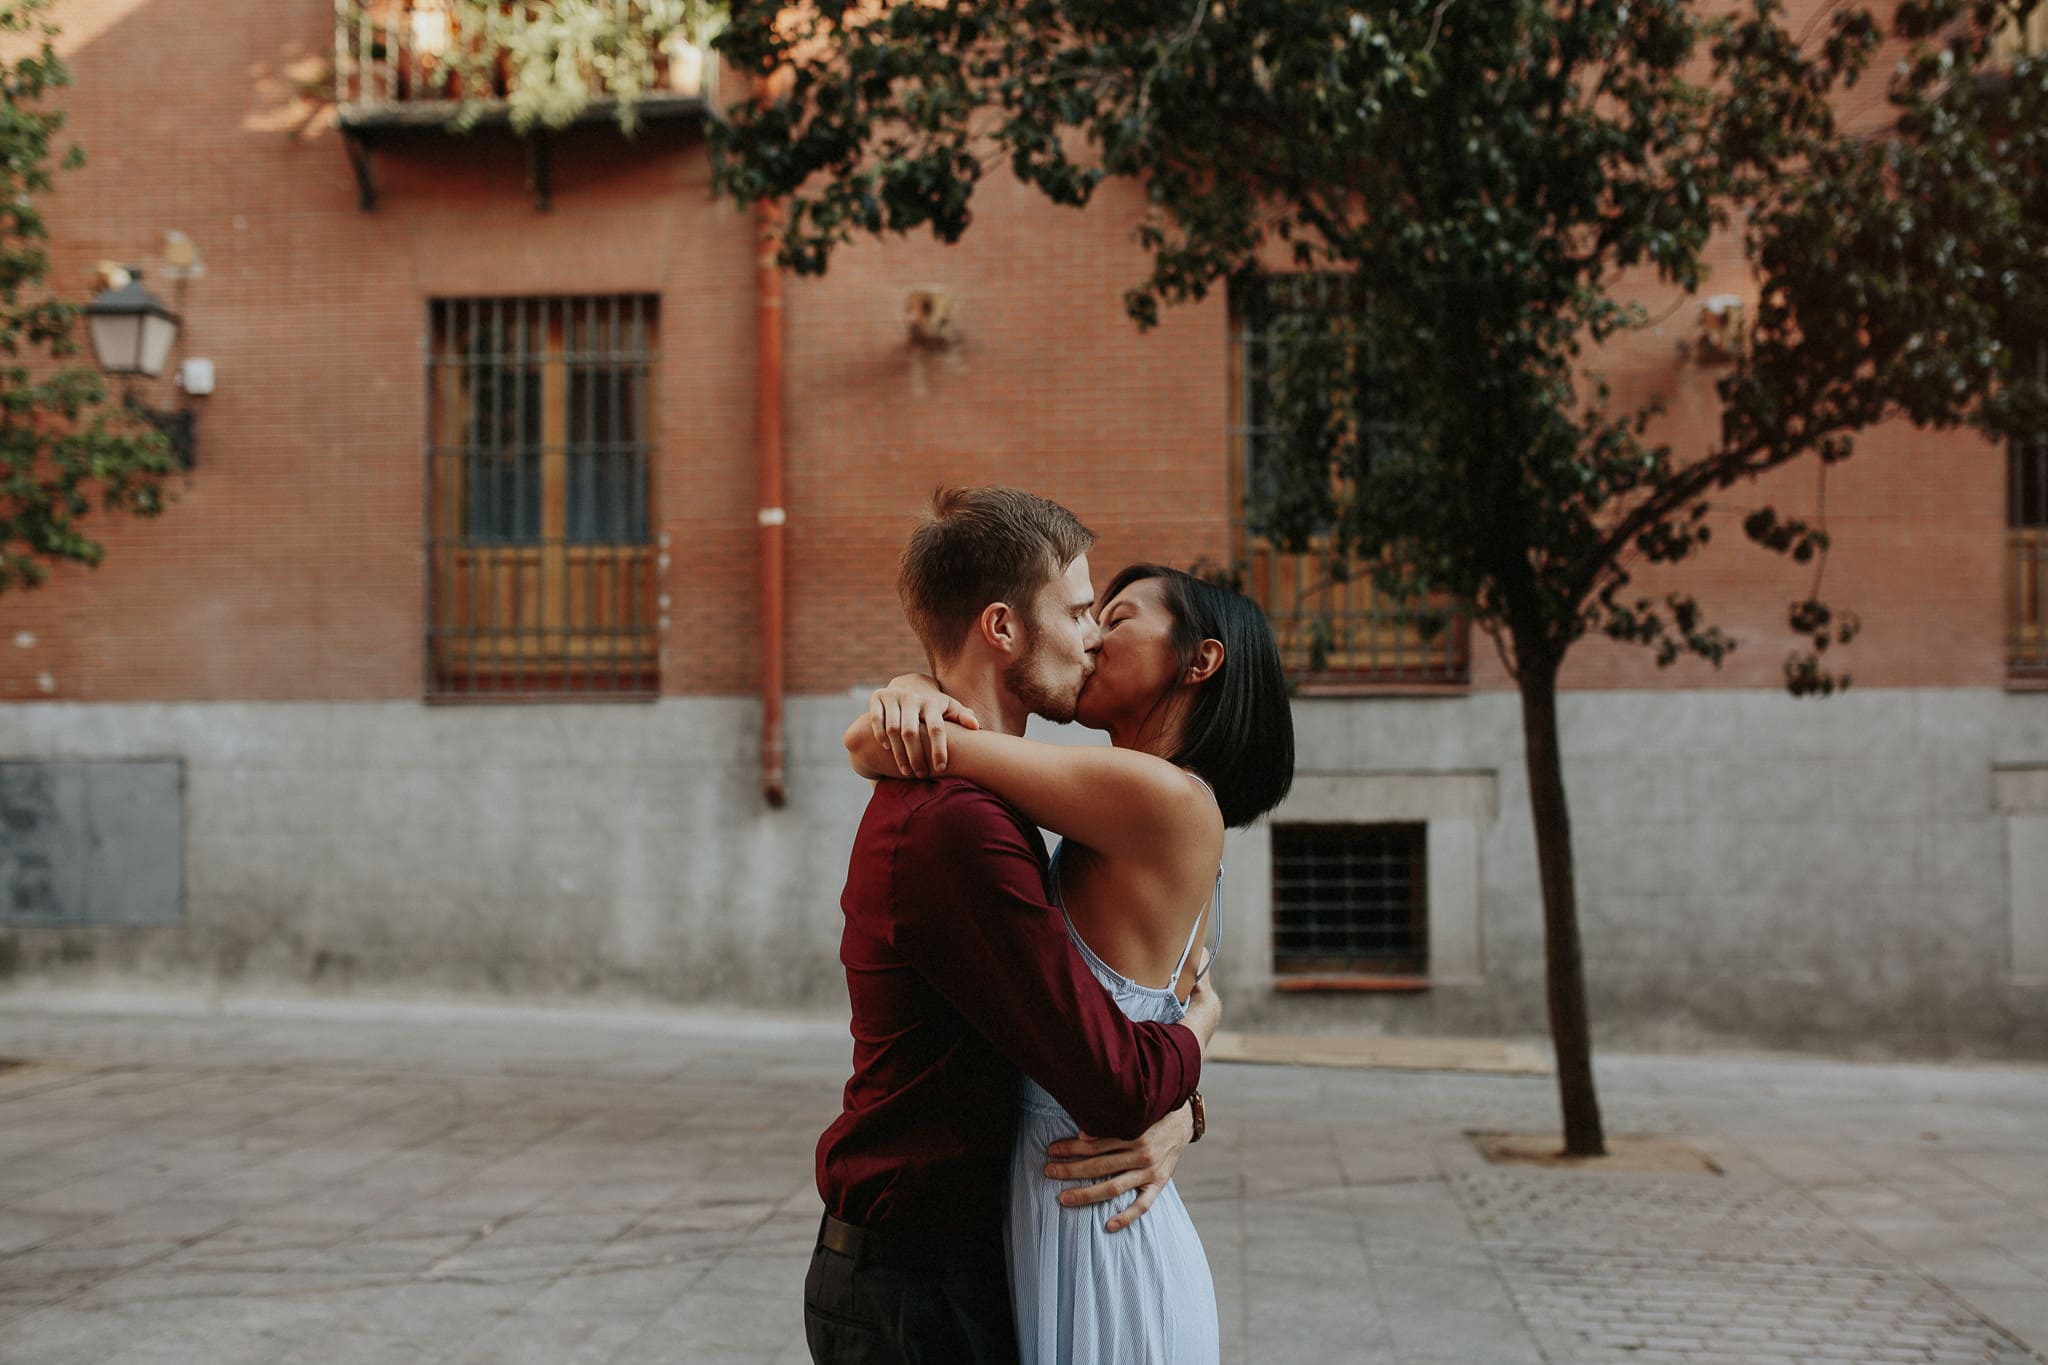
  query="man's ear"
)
[
  {"x": 1208, "y": 658},
  {"x": 1000, "y": 628}
]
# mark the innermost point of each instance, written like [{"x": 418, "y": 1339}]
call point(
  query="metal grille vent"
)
[{"x": 1350, "y": 900}]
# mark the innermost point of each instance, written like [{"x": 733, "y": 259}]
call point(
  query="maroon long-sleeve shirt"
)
[{"x": 961, "y": 975}]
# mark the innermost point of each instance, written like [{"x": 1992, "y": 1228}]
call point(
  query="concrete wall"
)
[{"x": 1861, "y": 875}]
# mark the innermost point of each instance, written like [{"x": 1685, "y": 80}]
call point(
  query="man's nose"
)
[{"x": 1091, "y": 634}]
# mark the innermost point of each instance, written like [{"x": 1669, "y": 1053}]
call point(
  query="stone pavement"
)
[{"x": 306, "y": 1184}]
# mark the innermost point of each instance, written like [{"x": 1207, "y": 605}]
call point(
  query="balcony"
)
[
  {"x": 404, "y": 67},
  {"x": 2018, "y": 39},
  {"x": 1342, "y": 634}
]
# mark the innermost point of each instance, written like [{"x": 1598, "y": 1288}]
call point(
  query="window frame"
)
[
  {"x": 1406, "y": 966},
  {"x": 1369, "y": 642},
  {"x": 2026, "y": 540},
  {"x": 523, "y": 608}
]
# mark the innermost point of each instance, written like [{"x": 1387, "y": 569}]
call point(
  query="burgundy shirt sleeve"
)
[{"x": 973, "y": 918}]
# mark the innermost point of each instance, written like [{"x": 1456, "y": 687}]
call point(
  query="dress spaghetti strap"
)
[
  {"x": 1215, "y": 943},
  {"x": 1213, "y": 912}
]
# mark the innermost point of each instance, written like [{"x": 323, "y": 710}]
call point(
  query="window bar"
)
[
  {"x": 455, "y": 525},
  {"x": 475, "y": 486},
  {"x": 474, "y": 489},
  {"x": 601, "y": 414},
  {"x": 535, "y": 354},
  {"x": 614, "y": 528},
  {"x": 463, "y": 344},
  {"x": 598, "y": 359},
  {"x": 576, "y": 475},
  {"x": 494, "y": 451},
  {"x": 366, "y": 61},
  {"x": 2019, "y": 570},
  {"x": 641, "y": 641},
  {"x": 490, "y": 444},
  {"x": 626, "y": 552},
  {"x": 550, "y": 597},
  {"x": 550, "y": 345},
  {"x": 485, "y": 377},
  {"x": 2027, "y": 611},
  {"x": 630, "y": 462},
  {"x": 578, "y": 513},
  {"x": 600, "y": 365},
  {"x": 436, "y": 423},
  {"x": 618, "y": 478},
  {"x": 479, "y": 489}
]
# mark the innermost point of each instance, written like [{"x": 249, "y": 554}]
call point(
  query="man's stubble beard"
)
[{"x": 1040, "y": 697}]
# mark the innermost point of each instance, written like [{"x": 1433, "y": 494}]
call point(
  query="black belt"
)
[{"x": 904, "y": 1249}]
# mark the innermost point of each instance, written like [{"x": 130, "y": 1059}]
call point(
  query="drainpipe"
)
[{"x": 768, "y": 287}]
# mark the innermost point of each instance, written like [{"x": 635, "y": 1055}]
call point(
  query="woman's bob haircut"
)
[{"x": 1238, "y": 734}]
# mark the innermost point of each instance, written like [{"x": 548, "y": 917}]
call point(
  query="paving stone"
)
[{"x": 455, "y": 1186}]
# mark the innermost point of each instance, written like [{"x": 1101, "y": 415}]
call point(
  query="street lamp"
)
[{"x": 132, "y": 334}]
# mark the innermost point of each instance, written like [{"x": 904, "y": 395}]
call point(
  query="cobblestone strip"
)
[{"x": 1734, "y": 1268}]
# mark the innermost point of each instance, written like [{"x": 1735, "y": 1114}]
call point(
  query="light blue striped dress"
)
[{"x": 1084, "y": 1296}]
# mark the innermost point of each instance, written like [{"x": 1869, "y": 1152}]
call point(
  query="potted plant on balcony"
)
[{"x": 550, "y": 62}]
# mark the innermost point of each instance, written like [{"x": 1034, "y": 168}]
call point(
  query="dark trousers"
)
[{"x": 886, "y": 1304}]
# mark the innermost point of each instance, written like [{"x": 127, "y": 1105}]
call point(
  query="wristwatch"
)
[{"x": 1200, "y": 1115}]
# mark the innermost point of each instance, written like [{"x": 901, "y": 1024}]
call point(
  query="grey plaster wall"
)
[
  {"x": 535, "y": 850},
  {"x": 1754, "y": 871}
]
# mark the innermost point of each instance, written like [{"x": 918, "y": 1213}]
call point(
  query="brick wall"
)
[{"x": 290, "y": 565}]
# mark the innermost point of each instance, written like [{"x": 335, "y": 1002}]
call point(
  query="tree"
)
[
  {"x": 1485, "y": 174},
  {"x": 59, "y": 443}
]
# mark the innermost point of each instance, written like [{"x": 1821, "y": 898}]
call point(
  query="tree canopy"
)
[
  {"x": 1487, "y": 185},
  {"x": 1487, "y": 175},
  {"x": 60, "y": 445}
]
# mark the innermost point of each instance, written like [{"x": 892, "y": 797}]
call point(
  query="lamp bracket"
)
[
  {"x": 176, "y": 424},
  {"x": 359, "y": 162},
  {"x": 540, "y": 169}
]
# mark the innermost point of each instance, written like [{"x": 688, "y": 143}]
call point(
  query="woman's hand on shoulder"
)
[{"x": 908, "y": 719}]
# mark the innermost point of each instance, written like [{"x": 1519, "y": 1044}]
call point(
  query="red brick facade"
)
[{"x": 290, "y": 566}]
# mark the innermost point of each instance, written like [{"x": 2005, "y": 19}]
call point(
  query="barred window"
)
[
  {"x": 543, "y": 569},
  {"x": 1333, "y": 625},
  {"x": 2027, "y": 549},
  {"x": 1350, "y": 900}
]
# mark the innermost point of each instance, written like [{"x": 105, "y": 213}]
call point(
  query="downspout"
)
[{"x": 768, "y": 291}]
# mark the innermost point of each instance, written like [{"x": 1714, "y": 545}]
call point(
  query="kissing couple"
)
[{"x": 1028, "y": 1031}]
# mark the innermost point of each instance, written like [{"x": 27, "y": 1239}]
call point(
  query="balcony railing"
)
[
  {"x": 2018, "y": 40},
  {"x": 425, "y": 60},
  {"x": 1343, "y": 632}
]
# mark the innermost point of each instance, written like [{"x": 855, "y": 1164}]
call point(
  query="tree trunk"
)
[{"x": 1564, "y": 971}]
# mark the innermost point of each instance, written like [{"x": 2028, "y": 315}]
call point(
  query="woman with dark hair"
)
[{"x": 1189, "y": 686}]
